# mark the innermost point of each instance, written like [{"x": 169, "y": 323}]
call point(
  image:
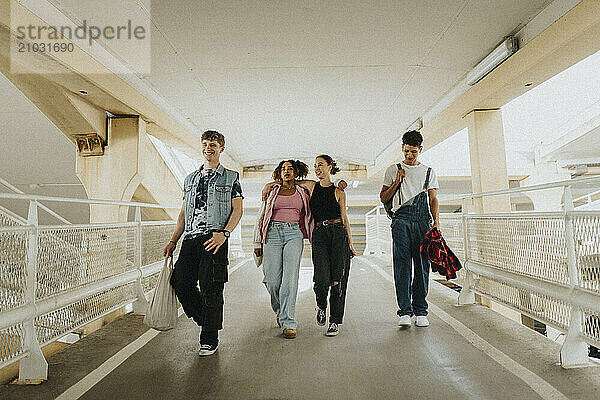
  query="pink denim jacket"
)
[{"x": 266, "y": 212}]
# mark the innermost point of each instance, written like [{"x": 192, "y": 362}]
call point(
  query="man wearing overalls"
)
[
  {"x": 212, "y": 207},
  {"x": 412, "y": 189}
]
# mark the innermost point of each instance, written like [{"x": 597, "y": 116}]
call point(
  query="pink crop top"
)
[{"x": 287, "y": 208}]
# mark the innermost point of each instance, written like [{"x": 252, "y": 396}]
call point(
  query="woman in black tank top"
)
[
  {"x": 331, "y": 241},
  {"x": 331, "y": 246},
  {"x": 324, "y": 204}
]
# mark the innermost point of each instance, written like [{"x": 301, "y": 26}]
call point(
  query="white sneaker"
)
[
  {"x": 332, "y": 330},
  {"x": 207, "y": 350},
  {"x": 405, "y": 320},
  {"x": 422, "y": 321}
]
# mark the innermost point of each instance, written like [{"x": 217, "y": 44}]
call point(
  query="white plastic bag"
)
[{"x": 162, "y": 310}]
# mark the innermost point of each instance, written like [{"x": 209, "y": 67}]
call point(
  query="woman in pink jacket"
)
[{"x": 283, "y": 224}]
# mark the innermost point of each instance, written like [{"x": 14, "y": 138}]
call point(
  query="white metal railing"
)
[
  {"x": 54, "y": 279},
  {"x": 590, "y": 201},
  {"x": 587, "y": 198},
  {"x": 544, "y": 264},
  {"x": 378, "y": 237},
  {"x": 43, "y": 207},
  {"x": 9, "y": 218}
]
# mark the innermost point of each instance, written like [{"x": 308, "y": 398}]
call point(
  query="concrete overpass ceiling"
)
[
  {"x": 561, "y": 116},
  {"x": 585, "y": 147},
  {"x": 293, "y": 79},
  {"x": 582, "y": 143}
]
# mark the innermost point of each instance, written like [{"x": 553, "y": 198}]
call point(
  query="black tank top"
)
[{"x": 323, "y": 204}]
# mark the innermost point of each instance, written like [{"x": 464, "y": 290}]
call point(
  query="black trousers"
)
[
  {"x": 198, "y": 279},
  {"x": 331, "y": 261}
]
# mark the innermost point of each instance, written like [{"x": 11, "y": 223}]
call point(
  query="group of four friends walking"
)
[{"x": 294, "y": 209}]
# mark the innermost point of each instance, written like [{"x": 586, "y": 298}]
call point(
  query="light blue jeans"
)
[{"x": 282, "y": 253}]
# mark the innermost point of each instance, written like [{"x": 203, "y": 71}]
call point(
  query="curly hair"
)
[
  {"x": 214, "y": 135},
  {"x": 412, "y": 138},
  {"x": 334, "y": 168},
  {"x": 300, "y": 169}
]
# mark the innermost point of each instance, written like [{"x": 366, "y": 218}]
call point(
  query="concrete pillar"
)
[
  {"x": 546, "y": 172},
  {"x": 488, "y": 164},
  {"x": 111, "y": 176},
  {"x": 131, "y": 169},
  {"x": 488, "y": 159}
]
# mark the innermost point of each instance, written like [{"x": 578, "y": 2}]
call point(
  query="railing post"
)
[
  {"x": 574, "y": 351},
  {"x": 33, "y": 369},
  {"x": 367, "y": 239},
  {"x": 378, "y": 240},
  {"x": 141, "y": 304},
  {"x": 466, "y": 296},
  {"x": 236, "y": 248},
  {"x": 389, "y": 240}
]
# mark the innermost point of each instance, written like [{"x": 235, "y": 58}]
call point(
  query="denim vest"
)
[{"x": 219, "y": 197}]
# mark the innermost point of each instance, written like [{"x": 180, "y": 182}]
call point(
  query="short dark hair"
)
[
  {"x": 300, "y": 169},
  {"x": 214, "y": 135},
  {"x": 412, "y": 138},
  {"x": 334, "y": 168}
]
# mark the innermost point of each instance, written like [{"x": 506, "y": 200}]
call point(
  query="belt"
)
[{"x": 328, "y": 222}]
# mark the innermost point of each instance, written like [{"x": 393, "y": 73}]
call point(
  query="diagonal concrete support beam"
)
[
  {"x": 70, "y": 112},
  {"x": 58, "y": 105},
  {"x": 106, "y": 90},
  {"x": 95, "y": 117}
]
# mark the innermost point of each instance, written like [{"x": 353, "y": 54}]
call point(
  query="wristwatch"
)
[{"x": 226, "y": 233}]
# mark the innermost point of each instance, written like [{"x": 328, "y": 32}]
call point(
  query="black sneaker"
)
[
  {"x": 208, "y": 349},
  {"x": 332, "y": 330},
  {"x": 321, "y": 317},
  {"x": 594, "y": 352}
]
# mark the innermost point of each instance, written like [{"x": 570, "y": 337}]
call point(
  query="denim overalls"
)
[{"x": 409, "y": 226}]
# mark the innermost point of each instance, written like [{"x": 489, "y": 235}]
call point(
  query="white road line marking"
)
[
  {"x": 535, "y": 382},
  {"x": 91, "y": 379}
]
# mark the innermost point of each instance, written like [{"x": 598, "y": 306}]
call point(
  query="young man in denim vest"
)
[
  {"x": 212, "y": 208},
  {"x": 412, "y": 189}
]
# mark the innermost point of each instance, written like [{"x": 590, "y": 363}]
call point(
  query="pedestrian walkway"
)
[{"x": 467, "y": 352}]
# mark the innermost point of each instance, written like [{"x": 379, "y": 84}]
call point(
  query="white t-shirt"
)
[{"x": 412, "y": 184}]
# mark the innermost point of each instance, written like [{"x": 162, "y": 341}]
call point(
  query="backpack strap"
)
[
  {"x": 426, "y": 185},
  {"x": 399, "y": 165},
  {"x": 388, "y": 204}
]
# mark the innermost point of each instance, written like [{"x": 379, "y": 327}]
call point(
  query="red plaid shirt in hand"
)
[{"x": 443, "y": 260}]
